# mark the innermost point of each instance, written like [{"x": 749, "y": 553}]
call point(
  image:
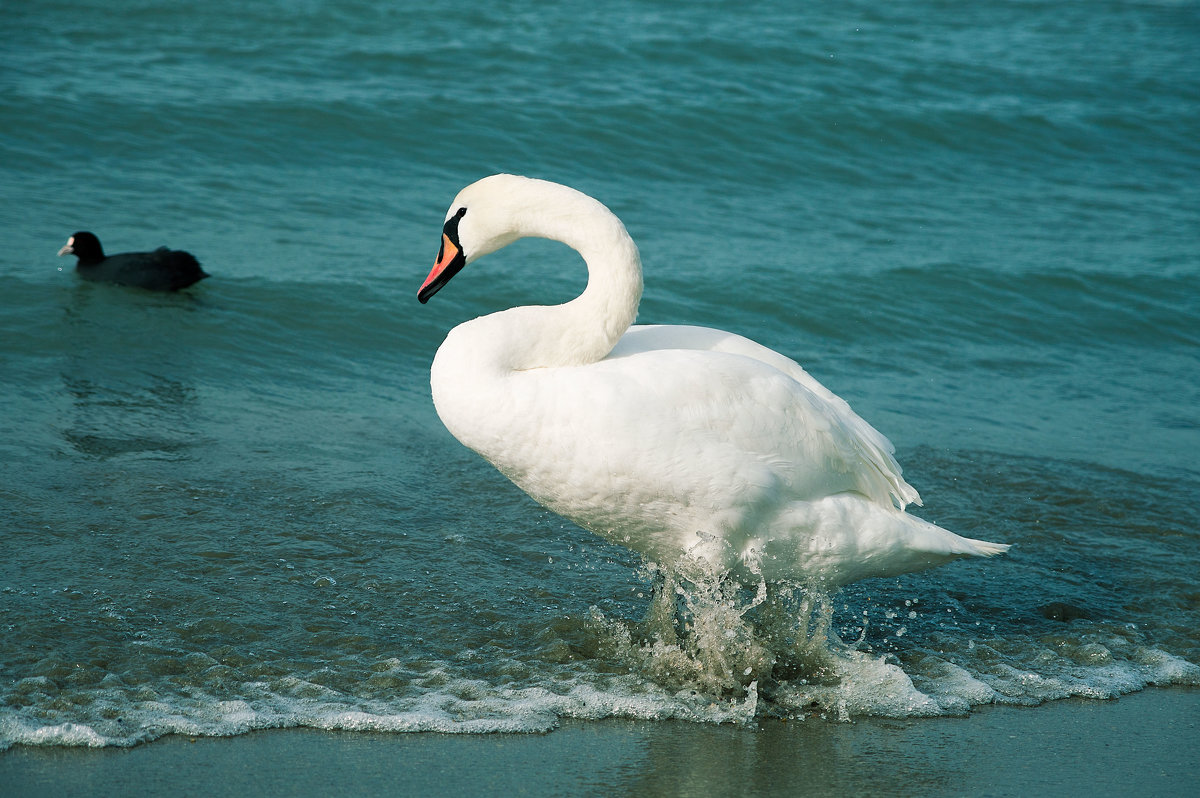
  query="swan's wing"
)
[{"x": 851, "y": 442}]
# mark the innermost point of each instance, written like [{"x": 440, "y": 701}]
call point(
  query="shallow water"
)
[{"x": 235, "y": 508}]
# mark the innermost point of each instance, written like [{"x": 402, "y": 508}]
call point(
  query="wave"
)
[{"x": 706, "y": 653}]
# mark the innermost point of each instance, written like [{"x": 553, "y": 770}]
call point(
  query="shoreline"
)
[{"x": 1145, "y": 743}]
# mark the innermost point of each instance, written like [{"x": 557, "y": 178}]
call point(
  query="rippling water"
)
[{"x": 235, "y": 508}]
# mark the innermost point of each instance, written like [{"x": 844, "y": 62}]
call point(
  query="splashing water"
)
[
  {"x": 772, "y": 649},
  {"x": 707, "y": 634}
]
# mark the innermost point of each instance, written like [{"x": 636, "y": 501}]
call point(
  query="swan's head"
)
[
  {"x": 495, "y": 211},
  {"x": 484, "y": 217}
]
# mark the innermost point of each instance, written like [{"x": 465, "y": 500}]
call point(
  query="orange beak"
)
[{"x": 449, "y": 261}]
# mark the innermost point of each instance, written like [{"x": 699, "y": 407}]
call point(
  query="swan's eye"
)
[{"x": 450, "y": 230}]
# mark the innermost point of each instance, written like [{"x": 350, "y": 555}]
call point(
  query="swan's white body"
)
[{"x": 665, "y": 439}]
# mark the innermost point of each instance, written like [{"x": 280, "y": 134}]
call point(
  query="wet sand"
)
[{"x": 1145, "y": 744}]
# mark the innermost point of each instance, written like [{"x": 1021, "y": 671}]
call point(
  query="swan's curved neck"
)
[{"x": 585, "y": 329}]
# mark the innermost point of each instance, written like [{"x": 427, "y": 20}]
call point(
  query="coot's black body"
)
[{"x": 161, "y": 270}]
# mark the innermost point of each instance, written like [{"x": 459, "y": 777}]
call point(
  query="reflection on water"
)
[
  {"x": 150, "y": 419},
  {"x": 128, "y": 371}
]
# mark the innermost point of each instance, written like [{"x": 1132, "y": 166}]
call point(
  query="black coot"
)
[{"x": 161, "y": 270}]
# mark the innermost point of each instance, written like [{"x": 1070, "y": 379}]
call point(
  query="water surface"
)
[{"x": 235, "y": 508}]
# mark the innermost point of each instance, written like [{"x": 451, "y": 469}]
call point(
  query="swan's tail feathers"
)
[
  {"x": 843, "y": 538},
  {"x": 983, "y": 548}
]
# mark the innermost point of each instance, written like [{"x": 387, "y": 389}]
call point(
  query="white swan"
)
[{"x": 665, "y": 439}]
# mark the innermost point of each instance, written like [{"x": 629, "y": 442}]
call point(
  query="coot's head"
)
[{"x": 84, "y": 246}]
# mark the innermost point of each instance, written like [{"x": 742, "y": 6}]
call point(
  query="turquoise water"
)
[{"x": 235, "y": 508}]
